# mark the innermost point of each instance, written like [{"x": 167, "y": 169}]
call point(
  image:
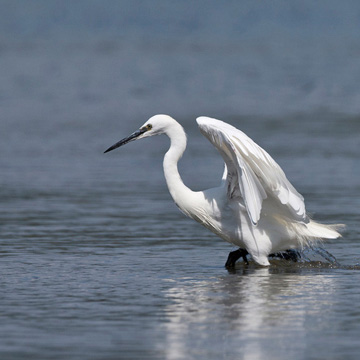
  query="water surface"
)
[{"x": 96, "y": 261}]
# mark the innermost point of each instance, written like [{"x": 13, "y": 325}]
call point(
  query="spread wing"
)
[{"x": 251, "y": 173}]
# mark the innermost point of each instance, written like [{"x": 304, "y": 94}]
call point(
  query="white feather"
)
[{"x": 251, "y": 170}]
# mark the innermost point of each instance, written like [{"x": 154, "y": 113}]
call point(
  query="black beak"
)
[{"x": 126, "y": 140}]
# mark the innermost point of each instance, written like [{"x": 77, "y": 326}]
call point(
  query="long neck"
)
[{"x": 178, "y": 190}]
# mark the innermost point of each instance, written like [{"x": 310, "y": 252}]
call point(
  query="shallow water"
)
[{"x": 96, "y": 261}]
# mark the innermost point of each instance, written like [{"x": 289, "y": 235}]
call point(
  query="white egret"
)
[{"x": 255, "y": 207}]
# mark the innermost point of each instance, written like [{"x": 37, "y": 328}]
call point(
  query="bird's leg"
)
[
  {"x": 291, "y": 254},
  {"x": 234, "y": 256}
]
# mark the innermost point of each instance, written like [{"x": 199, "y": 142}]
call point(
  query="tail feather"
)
[
  {"x": 313, "y": 232},
  {"x": 322, "y": 231}
]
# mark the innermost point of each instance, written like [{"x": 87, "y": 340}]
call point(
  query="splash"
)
[
  {"x": 309, "y": 257},
  {"x": 325, "y": 255}
]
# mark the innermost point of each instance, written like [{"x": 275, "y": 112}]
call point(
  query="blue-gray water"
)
[{"x": 96, "y": 262}]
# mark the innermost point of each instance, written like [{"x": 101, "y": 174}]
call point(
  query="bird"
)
[{"x": 255, "y": 207}]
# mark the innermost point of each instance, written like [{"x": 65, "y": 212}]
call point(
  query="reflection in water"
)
[{"x": 253, "y": 314}]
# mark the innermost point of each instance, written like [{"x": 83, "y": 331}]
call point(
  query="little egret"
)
[{"x": 255, "y": 207}]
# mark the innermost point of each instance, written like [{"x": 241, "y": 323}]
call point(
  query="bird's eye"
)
[{"x": 149, "y": 126}]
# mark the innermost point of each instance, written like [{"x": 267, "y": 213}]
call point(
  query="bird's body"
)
[{"x": 255, "y": 207}]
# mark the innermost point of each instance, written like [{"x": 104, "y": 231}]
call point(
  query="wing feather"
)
[{"x": 251, "y": 172}]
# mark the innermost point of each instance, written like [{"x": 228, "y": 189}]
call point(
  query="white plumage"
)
[{"x": 255, "y": 207}]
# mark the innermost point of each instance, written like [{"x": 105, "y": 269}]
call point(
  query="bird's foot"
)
[
  {"x": 234, "y": 256},
  {"x": 291, "y": 254}
]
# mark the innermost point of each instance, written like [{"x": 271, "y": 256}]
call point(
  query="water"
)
[{"x": 96, "y": 261}]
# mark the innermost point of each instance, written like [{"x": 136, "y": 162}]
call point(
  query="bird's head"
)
[{"x": 156, "y": 125}]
